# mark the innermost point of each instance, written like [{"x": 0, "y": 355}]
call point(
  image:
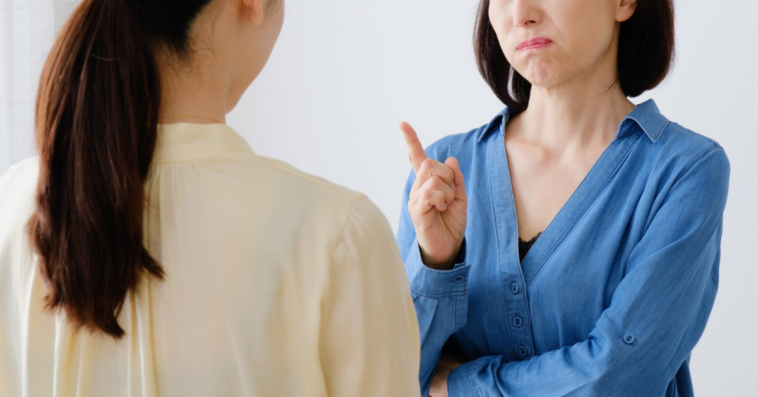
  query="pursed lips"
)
[{"x": 535, "y": 43}]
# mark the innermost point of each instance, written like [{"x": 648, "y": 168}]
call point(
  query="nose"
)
[{"x": 526, "y": 13}]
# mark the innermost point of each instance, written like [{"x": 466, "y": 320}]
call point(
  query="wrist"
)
[
  {"x": 446, "y": 264},
  {"x": 437, "y": 265}
]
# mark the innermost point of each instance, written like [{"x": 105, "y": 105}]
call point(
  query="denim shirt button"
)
[
  {"x": 517, "y": 321},
  {"x": 629, "y": 339},
  {"x": 458, "y": 279},
  {"x": 522, "y": 351},
  {"x": 514, "y": 288}
]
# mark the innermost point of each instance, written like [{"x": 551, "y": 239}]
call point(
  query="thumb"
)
[{"x": 460, "y": 184}]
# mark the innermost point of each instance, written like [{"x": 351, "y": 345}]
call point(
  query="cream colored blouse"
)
[{"x": 278, "y": 283}]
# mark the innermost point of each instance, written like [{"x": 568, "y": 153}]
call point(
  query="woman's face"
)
[{"x": 551, "y": 42}]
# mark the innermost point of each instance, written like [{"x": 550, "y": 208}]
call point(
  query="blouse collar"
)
[
  {"x": 189, "y": 141},
  {"x": 646, "y": 115}
]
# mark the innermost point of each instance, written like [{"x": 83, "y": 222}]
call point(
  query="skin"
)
[
  {"x": 232, "y": 41},
  {"x": 575, "y": 108}
]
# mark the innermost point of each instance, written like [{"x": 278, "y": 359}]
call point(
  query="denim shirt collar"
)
[
  {"x": 648, "y": 118},
  {"x": 646, "y": 115}
]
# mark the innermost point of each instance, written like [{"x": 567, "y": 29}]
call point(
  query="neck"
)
[
  {"x": 582, "y": 112},
  {"x": 195, "y": 94}
]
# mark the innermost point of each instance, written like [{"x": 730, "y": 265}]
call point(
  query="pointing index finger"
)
[{"x": 415, "y": 150}]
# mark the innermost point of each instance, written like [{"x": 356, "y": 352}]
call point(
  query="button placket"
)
[
  {"x": 513, "y": 285},
  {"x": 518, "y": 316}
]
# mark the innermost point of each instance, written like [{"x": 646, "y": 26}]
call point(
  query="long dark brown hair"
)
[
  {"x": 645, "y": 53},
  {"x": 96, "y": 126}
]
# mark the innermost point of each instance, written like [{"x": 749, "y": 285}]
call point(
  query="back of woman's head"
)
[{"x": 96, "y": 127}]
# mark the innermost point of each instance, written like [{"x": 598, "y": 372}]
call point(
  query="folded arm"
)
[{"x": 656, "y": 316}]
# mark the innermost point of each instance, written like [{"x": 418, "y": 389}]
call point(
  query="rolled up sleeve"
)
[
  {"x": 439, "y": 297},
  {"x": 656, "y": 316}
]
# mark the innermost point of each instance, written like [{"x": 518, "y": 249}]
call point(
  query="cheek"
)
[
  {"x": 588, "y": 31},
  {"x": 502, "y": 24}
]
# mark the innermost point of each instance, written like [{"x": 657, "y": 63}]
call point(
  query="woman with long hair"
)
[
  {"x": 571, "y": 245},
  {"x": 148, "y": 251}
]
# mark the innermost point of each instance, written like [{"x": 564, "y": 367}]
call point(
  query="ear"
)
[
  {"x": 625, "y": 9},
  {"x": 252, "y": 11}
]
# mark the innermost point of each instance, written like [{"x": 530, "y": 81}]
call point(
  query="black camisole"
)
[{"x": 525, "y": 246}]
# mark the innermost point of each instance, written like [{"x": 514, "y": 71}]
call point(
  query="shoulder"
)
[
  {"x": 464, "y": 145},
  {"x": 677, "y": 136},
  {"x": 17, "y": 188},
  {"x": 21, "y": 169},
  {"x": 317, "y": 187},
  {"x": 312, "y": 192},
  {"x": 20, "y": 179},
  {"x": 688, "y": 166},
  {"x": 449, "y": 145},
  {"x": 366, "y": 240},
  {"x": 683, "y": 149},
  {"x": 359, "y": 225},
  {"x": 368, "y": 219}
]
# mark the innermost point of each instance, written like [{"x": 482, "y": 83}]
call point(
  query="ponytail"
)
[{"x": 96, "y": 128}]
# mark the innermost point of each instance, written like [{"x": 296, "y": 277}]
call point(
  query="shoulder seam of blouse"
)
[
  {"x": 358, "y": 195},
  {"x": 699, "y": 159},
  {"x": 689, "y": 131},
  {"x": 341, "y": 234}
]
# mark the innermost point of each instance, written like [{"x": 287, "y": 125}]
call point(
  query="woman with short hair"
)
[
  {"x": 149, "y": 251},
  {"x": 570, "y": 246}
]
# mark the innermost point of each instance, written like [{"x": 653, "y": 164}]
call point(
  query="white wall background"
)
[
  {"x": 26, "y": 33},
  {"x": 345, "y": 72}
]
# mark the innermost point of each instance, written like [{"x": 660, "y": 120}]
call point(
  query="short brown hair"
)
[{"x": 645, "y": 53}]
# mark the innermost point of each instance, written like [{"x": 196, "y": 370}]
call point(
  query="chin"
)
[
  {"x": 536, "y": 68},
  {"x": 541, "y": 76}
]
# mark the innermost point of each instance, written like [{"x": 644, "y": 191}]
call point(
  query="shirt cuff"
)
[
  {"x": 460, "y": 382},
  {"x": 437, "y": 283}
]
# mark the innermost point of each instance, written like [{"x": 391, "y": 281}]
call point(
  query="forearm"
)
[{"x": 441, "y": 302}]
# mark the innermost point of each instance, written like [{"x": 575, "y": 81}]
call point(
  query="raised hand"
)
[{"x": 437, "y": 204}]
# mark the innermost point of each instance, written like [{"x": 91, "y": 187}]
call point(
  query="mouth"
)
[{"x": 535, "y": 43}]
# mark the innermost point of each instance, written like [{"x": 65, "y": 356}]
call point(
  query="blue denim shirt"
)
[{"x": 615, "y": 293}]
